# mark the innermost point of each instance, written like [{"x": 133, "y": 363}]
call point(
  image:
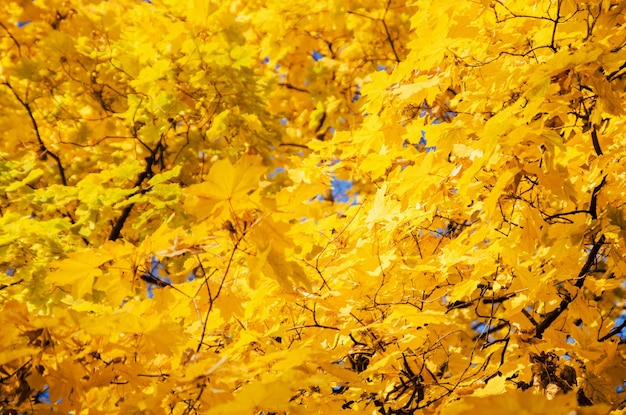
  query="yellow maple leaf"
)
[
  {"x": 384, "y": 208},
  {"x": 227, "y": 183},
  {"x": 78, "y": 270}
]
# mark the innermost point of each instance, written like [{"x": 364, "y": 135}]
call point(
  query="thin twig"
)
[{"x": 42, "y": 147}]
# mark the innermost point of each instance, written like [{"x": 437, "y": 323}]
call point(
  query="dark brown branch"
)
[
  {"x": 295, "y": 88},
  {"x": 592, "y": 211},
  {"x": 360, "y": 15},
  {"x": 294, "y": 145},
  {"x": 555, "y": 24},
  {"x": 529, "y": 317},
  {"x": 150, "y": 162},
  {"x": 594, "y": 140},
  {"x": 119, "y": 223},
  {"x": 591, "y": 259},
  {"x": 161, "y": 375},
  {"x": 95, "y": 143},
  {"x": 505, "y": 53},
  {"x": 618, "y": 48},
  {"x": 19, "y": 49},
  {"x": 594, "y": 196},
  {"x": 516, "y": 15},
  {"x": 551, "y": 317},
  {"x": 615, "y": 330},
  {"x": 561, "y": 215},
  {"x": 389, "y": 39},
  {"x": 212, "y": 299},
  {"x": 610, "y": 77},
  {"x": 3, "y": 286},
  {"x": 42, "y": 147},
  {"x": 497, "y": 300},
  {"x": 319, "y": 326}
]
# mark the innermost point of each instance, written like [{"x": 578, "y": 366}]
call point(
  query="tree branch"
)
[
  {"x": 594, "y": 140},
  {"x": 213, "y": 299},
  {"x": 19, "y": 48},
  {"x": 594, "y": 196},
  {"x": 389, "y": 39},
  {"x": 295, "y": 88},
  {"x": 615, "y": 330},
  {"x": 42, "y": 147},
  {"x": 150, "y": 162},
  {"x": 551, "y": 317}
]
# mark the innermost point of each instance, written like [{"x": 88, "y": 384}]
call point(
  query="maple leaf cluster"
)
[{"x": 284, "y": 207}]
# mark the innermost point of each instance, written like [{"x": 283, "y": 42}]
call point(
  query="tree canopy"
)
[{"x": 295, "y": 207}]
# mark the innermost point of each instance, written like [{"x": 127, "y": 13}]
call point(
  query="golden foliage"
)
[{"x": 172, "y": 238}]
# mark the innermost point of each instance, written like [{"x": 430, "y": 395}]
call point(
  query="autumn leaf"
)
[
  {"x": 78, "y": 270},
  {"x": 228, "y": 186},
  {"x": 312, "y": 207}
]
